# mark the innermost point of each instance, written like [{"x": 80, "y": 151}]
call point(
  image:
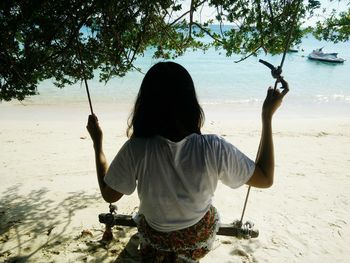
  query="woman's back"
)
[{"x": 177, "y": 180}]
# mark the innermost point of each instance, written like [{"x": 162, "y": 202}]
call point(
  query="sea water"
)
[{"x": 314, "y": 86}]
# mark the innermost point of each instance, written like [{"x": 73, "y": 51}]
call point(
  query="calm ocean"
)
[{"x": 219, "y": 80}]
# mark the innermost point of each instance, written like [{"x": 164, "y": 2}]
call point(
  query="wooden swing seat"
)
[{"x": 234, "y": 229}]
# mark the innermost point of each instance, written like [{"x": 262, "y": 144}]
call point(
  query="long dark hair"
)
[{"x": 166, "y": 103}]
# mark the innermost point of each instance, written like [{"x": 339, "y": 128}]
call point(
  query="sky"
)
[{"x": 339, "y": 5}]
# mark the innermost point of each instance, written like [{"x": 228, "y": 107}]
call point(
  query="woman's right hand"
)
[{"x": 274, "y": 99}]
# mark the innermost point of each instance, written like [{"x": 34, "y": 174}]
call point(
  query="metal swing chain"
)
[{"x": 276, "y": 73}]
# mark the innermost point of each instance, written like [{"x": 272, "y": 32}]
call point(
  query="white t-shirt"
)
[{"x": 177, "y": 180}]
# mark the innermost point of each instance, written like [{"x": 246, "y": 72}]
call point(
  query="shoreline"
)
[
  {"x": 49, "y": 197},
  {"x": 241, "y": 110}
]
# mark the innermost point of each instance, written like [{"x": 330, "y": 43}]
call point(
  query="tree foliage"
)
[
  {"x": 67, "y": 40},
  {"x": 335, "y": 27}
]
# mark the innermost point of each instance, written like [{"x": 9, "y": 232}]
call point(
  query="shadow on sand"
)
[
  {"x": 130, "y": 253},
  {"x": 29, "y": 217}
]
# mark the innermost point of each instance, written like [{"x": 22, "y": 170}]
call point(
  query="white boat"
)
[{"x": 318, "y": 54}]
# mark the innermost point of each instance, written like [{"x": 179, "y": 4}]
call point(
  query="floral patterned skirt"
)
[{"x": 185, "y": 245}]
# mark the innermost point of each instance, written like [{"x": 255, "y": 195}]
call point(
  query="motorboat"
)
[
  {"x": 293, "y": 49},
  {"x": 318, "y": 54}
]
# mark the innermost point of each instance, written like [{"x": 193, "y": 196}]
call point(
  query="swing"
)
[
  {"x": 111, "y": 219},
  {"x": 237, "y": 228}
]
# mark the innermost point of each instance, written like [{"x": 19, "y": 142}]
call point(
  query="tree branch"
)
[
  {"x": 186, "y": 13},
  {"x": 271, "y": 12},
  {"x": 208, "y": 33},
  {"x": 191, "y": 20},
  {"x": 72, "y": 36},
  {"x": 251, "y": 54}
]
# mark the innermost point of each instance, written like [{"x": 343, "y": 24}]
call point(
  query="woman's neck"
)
[{"x": 176, "y": 136}]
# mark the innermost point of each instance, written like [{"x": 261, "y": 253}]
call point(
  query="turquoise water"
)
[{"x": 218, "y": 79}]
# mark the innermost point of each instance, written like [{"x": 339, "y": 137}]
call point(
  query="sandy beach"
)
[{"x": 49, "y": 197}]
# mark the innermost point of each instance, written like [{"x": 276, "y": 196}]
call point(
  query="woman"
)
[{"x": 175, "y": 168}]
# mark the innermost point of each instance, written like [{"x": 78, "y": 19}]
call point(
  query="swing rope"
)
[
  {"x": 84, "y": 77},
  {"x": 276, "y": 73},
  {"x": 111, "y": 207}
]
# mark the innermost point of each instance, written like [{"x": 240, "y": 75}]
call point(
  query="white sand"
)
[{"x": 49, "y": 193}]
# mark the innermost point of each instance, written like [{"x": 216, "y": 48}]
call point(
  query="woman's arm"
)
[
  {"x": 95, "y": 131},
  {"x": 265, "y": 161}
]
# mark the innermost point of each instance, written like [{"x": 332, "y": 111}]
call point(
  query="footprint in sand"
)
[
  {"x": 226, "y": 242},
  {"x": 244, "y": 255}
]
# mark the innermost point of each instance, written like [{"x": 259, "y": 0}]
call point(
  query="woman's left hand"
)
[
  {"x": 95, "y": 130},
  {"x": 274, "y": 99}
]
